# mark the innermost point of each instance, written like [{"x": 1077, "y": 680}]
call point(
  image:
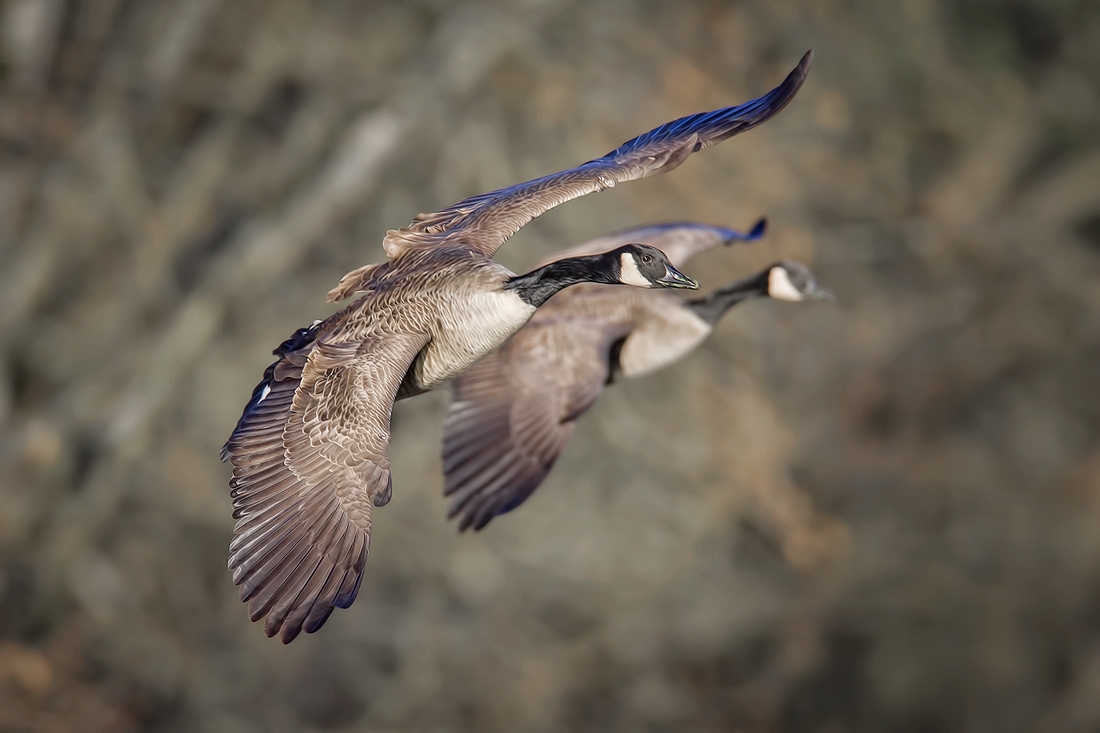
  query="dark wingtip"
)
[
  {"x": 785, "y": 92},
  {"x": 802, "y": 69},
  {"x": 313, "y": 623},
  {"x": 344, "y": 600},
  {"x": 290, "y": 633},
  {"x": 465, "y": 518},
  {"x": 732, "y": 235},
  {"x": 758, "y": 229}
]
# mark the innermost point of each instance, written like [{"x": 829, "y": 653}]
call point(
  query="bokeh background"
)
[{"x": 876, "y": 515}]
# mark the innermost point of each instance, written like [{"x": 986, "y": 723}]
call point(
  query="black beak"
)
[
  {"x": 816, "y": 292},
  {"x": 673, "y": 278}
]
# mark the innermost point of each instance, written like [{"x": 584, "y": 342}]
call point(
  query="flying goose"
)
[
  {"x": 513, "y": 412},
  {"x": 309, "y": 453}
]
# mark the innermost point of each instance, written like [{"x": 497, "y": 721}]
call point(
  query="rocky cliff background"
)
[{"x": 876, "y": 515}]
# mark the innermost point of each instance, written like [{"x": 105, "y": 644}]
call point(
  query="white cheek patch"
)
[
  {"x": 629, "y": 273},
  {"x": 780, "y": 285}
]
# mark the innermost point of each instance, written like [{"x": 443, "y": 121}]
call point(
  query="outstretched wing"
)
[
  {"x": 309, "y": 456},
  {"x": 486, "y": 221},
  {"x": 513, "y": 412},
  {"x": 680, "y": 241}
]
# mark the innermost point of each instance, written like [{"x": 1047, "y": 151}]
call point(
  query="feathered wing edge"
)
[
  {"x": 486, "y": 221},
  {"x": 679, "y": 240},
  {"x": 512, "y": 414},
  {"x": 488, "y": 468},
  {"x": 309, "y": 456}
]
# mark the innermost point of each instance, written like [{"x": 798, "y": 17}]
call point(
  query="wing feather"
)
[
  {"x": 680, "y": 241},
  {"x": 485, "y": 221},
  {"x": 309, "y": 456},
  {"x": 508, "y": 422}
]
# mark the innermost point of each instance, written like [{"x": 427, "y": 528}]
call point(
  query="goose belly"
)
[{"x": 469, "y": 330}]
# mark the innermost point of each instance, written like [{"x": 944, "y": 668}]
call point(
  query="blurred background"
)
[{"x": 881, "y": 514}]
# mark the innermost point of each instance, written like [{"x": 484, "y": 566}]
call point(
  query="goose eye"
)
[{"x": 647, "y": 259}]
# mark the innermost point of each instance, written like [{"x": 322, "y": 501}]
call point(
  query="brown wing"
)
[
  {"x": 308, "y": 458},
  {"x": 486, "y": 221},
  {"x": 513, "y": 412},
  {"x": 680, "y": 241}
]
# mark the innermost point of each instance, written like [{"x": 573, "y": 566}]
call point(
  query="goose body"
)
[
  {"x": 459, "y": 302},
  {"x": 309, "y": 452},
  {"x": 514, "y": 411}
]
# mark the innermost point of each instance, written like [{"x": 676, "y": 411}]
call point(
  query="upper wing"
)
[
  {"x": 513, "y": 412},
  {"x": 680, "y": 241},
  {"x": 485, "y": 221},
  {"x": 309, "y": 456}
]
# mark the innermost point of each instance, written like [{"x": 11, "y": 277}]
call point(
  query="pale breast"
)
[
  {"x": 470, "y": 325},
  {"x": 666, "y": 332},
  {"x": 452, "y": 295}
]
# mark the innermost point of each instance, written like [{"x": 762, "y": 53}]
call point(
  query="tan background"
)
[{"x": 875, "y": 515}]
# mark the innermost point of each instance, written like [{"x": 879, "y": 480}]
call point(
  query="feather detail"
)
[{"x": 355, "y": 281}]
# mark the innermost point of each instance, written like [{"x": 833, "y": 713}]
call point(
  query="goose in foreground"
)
[
  {"x": 512, "y": 413},
  {"x": 309, "y": 453}
]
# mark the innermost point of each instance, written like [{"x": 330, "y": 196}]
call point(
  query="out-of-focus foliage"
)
[{"x": 876, "y": 515}]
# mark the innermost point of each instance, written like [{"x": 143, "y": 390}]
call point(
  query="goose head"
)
[
  {"x": 644, "y": 266},
  {"x": 634, "y": 264},
  {"x": 794, "y": 281}
]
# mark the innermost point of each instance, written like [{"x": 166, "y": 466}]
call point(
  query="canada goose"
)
[
  {"x": 309, "y": 453},
  {"x": 513, "y": 412}
]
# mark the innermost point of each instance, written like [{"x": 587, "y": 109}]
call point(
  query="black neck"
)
[
  {"x": 715, "y": 305},
  {"x": 538, "y": 286}
]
